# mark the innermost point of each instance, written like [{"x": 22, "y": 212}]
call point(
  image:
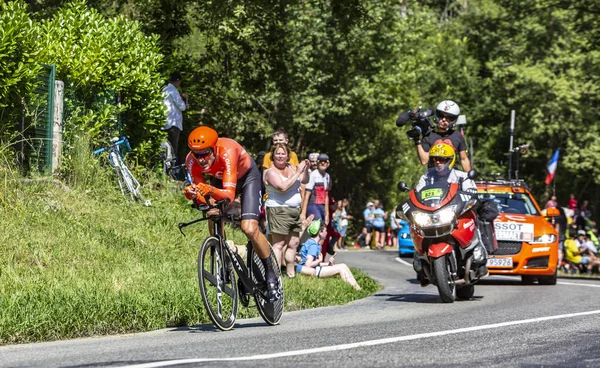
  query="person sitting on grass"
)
[
  {"x": 311, "y": 260},
  {"x": 576, "y": 256}
]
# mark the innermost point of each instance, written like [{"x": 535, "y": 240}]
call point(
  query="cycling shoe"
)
[{"x": 273, "y": 291}]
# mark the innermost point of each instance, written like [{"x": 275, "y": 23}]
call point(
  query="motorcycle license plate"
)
[{"x": 499, "y": 262}]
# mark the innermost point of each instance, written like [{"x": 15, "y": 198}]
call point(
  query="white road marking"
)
[
  {"x": 572, "y": 283},
  {"x": 360, "y": 344},
  {"x": 403, "y": 261}
]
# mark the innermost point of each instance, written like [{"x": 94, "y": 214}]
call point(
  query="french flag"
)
[{"x": 552, "y": 167}]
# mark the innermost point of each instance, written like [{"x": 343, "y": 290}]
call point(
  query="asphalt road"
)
[{"x": 506, "y": 324}]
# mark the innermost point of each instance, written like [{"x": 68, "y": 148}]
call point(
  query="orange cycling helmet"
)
[{"x": 202, "y": 138}]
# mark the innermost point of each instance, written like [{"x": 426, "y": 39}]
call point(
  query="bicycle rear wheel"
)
[
  {"x": 218, "y": 286},
  {"x": 270, "y": 312}
]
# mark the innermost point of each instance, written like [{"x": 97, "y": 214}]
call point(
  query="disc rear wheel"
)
[
  {"x": 270, "y": 312},
  {"x": 218, "y": 286}
]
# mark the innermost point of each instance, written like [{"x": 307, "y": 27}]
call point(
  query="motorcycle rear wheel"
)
[{"x": 445, "y": 284}]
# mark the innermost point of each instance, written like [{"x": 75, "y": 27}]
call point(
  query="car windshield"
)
[{"x": 518, "y": 203}]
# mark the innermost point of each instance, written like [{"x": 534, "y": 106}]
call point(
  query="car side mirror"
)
[
  {"x": 552, "y": 212},
  {"x": 472, "y": 174},
  {"x": 403, "y": 187}
]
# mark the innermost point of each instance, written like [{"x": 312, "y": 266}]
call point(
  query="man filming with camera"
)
[{"x": 446, "y": 115}]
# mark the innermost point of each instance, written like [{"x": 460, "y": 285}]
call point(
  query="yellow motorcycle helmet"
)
[{"x": 442, "y": 151}]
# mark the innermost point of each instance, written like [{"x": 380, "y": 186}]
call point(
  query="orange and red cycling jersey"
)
[{"x": 232, "y": 162}]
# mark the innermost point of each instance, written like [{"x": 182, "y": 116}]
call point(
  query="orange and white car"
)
[{"x": 527, "y": 242}]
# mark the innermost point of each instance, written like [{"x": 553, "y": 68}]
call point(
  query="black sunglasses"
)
[
  {"x": 448, "y": 117},
  {"x": 202, "y": 155}
]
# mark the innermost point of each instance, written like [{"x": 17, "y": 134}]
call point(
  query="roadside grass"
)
[{"x": 85, "y": 262}]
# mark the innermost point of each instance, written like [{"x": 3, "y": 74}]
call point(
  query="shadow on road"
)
[
  {"x": 211, "y": 328},
  {"x": 418, "y": 298}
]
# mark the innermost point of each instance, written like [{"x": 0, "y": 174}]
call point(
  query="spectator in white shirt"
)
[{"x": 175, "y": 104}]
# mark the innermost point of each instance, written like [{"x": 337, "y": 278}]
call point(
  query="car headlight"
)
[
  {"x": 544, "y": 239},
  {"x": 439, "y": 218}
]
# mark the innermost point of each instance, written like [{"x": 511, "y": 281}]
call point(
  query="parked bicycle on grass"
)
[
  {"x": 218, "y": 265},
  {"x": 128, "y": 184}
]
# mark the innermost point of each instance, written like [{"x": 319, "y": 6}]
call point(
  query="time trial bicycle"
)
[
  {"x": 218, "y": 265},
  {"x": 128, "y": 184}
]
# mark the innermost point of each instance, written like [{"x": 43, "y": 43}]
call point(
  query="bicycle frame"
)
[
  {"x": 116, "y": 160},
  {"x": 242, "y": 269}
]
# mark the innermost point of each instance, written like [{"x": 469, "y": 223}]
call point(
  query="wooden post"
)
[{"x": 57, "y": 128}]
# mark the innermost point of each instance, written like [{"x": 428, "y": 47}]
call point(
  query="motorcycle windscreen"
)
[{"x": 434, "y": 191}]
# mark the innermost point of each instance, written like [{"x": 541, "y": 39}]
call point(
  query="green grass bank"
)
[{"x": 81, "y": 261}]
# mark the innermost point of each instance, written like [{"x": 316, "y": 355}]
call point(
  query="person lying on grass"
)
[{"x": 311, "y": 259}]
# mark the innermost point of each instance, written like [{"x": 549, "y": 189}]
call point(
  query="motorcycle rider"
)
[
  {"x": 442, "y": 159},
  {"x": 446, "y": 115}
]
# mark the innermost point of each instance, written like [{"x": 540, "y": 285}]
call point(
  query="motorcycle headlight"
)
[
  {"x": 544, "y": 239},
  {"x": 443, "y": 217}
]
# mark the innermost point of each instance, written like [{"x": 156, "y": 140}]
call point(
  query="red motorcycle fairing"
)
[
  {"x": 439, "y": 249},
  {"x": 465, "y": 230}
]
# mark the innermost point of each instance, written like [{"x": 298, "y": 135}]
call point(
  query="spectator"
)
[
  {"x": 575, "y": 256},
  {"x": 313, "y": 158},
  {"x": 344, "y": 217},
  {"x": 572, "y": 202},
  {"x": 560, "y": 224},
  {"x": 395, "y": 226},
  {"x": 330, "y": 242},
  {"x": 369, "y": 216},
  {"x": 175, "y": 103},
  {"x": 316, "y": 192},
  {"x": 586, "y": 246},
  {"x": 379, "y": 224},
  {"x": 311, "y": 259},
  {"x": 282, "y": 181},
  {"x": 585, "y": 209},
  {"x": 280, "y": 136},
  {"x": 551, "y": 202}
]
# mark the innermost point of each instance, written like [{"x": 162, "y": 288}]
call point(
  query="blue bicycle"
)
[{"x": 128, "y": 184}]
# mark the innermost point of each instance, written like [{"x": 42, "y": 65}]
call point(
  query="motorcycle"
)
[{"x": 447, "y": 235}]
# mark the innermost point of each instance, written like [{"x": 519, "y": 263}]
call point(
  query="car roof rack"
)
[{"x": 519, "y": 183}]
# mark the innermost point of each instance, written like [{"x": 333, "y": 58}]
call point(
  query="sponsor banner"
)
[{"x": 513, "y": 231}]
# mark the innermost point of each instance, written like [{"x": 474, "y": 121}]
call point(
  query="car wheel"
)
[
  {"x": 548, "y": 280},
  {"x": 527, "y": 280}
]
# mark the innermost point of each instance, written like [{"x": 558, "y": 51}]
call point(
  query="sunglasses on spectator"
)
[
  {"x": 202, "y": 155},
  {"x": 323, "y": 162}
]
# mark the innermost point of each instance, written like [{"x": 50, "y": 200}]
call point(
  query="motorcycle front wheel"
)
[{"x": 445, "y": 284}]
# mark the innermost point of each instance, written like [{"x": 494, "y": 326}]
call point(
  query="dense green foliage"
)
[{"x": 336, "y": 73}]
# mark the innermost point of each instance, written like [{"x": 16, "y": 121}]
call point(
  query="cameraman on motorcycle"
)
[
  {"x": 446, "y": 115},
  {"x": 442, "y": 158}
]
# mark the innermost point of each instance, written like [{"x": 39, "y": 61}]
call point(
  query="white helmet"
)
[{"x": 447, "y": 108}]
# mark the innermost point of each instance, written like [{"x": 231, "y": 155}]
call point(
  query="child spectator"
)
[
  {"x": 379, "y": 224},
  {"x": 311, "y": 259}
]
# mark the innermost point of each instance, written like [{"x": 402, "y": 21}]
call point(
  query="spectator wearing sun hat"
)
[
  {"x": 311, "y": 260},
  {"x": 369, "y": 216},
  {"x": 313, "y": 159},
  {"x": 316, "y": 193}
]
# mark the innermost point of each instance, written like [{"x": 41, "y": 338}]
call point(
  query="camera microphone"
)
[{"x": 403, "y": 119}]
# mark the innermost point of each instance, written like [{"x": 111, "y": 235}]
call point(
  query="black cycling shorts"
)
[{"x": 249, "y": 187}]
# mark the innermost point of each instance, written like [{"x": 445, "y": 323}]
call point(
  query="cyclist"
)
[{"x": 234, "y": 172}]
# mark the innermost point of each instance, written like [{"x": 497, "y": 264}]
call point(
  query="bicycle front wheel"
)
[
  {"x": 270, "y": 312},
  {"x": 218, "y": 287}
]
